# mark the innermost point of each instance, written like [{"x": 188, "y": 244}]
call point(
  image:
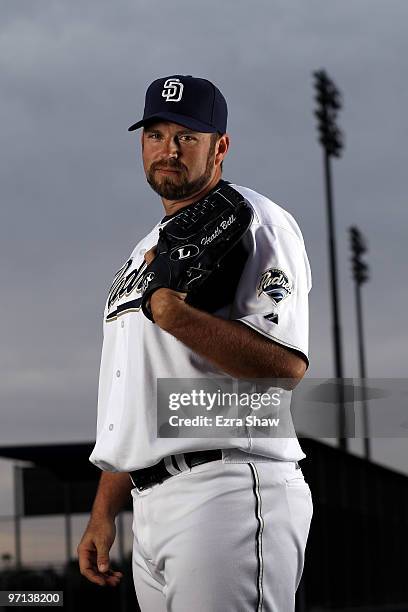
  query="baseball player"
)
[{"x": 217, "y": 289}]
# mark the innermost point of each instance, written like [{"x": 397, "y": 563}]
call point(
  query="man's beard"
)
[{"x": 183, "y": 188}]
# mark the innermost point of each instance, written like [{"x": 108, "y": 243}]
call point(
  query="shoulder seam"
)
[{"x": 282, "y": 228}]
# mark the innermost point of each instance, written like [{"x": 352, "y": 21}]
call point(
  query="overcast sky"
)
[{"x": 75, "y": 202}]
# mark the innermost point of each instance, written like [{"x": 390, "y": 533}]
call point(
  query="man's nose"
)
[{"x": 173, "y": 147}]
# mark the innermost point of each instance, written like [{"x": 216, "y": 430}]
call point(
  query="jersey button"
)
[
  {"x": 118, "y": 373},
  {"x": 111, "y": 427},
  {"x": 122, "y": 324}
]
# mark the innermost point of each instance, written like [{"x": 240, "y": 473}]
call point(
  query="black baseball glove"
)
[{"x": 193, "y": 246}]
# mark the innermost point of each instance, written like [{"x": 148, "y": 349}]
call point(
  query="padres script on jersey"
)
[{"x": 271, "y": 297}]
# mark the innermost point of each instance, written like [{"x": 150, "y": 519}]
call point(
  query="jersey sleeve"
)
[{"x": 272, "y": 294}]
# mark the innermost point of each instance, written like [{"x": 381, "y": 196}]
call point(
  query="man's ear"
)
[{"x": 222, "y": 147}]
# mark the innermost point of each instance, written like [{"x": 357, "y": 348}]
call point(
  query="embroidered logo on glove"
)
[
  {"x": 147, "y": 279},
  {"x": 190, "y": 250}
]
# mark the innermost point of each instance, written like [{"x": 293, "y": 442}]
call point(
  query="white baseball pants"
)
[{"x": 222, "y": 537}]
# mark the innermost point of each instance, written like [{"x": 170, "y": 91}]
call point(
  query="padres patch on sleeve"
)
[{"x": 275, "y": 284}]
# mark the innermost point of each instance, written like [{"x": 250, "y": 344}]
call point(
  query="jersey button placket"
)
[{"x": 119, "y": 373}]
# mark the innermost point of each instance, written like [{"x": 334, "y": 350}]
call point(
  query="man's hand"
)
[
  {"x": 159, "y": 302},
  {"x": 113, "y": 492},
  {"x": 93, "y": 552}
]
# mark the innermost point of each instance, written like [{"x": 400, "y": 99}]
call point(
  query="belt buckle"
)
[
  {"x": 138, "y": 489},
  {"x": 143, "y": 487}
]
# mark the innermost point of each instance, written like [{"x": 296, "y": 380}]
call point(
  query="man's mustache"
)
[{"x": 174, "y": 165}]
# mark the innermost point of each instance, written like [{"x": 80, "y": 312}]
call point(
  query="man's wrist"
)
[
  {"x": 103, "y": 516},
  {"x": 113, "y": 492}
]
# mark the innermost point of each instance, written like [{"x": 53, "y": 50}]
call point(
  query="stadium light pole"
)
[
  {"x": 329, "y": 102},
  {"x": 361, "y": 275}
]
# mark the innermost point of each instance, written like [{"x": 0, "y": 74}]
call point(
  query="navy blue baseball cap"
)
[{"x": 189, "y": 101}]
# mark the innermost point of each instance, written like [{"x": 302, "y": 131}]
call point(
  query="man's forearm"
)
[
  {"x": 232, "y": 346},
  {"x": 112, "y": 494}
]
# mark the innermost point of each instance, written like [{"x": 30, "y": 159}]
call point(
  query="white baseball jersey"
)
[{"x": 271, "y": 297}]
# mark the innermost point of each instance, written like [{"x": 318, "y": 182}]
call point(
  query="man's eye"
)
[
  {"x": 187, "y": 138},
  {"x": 154, "y": 136}
]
